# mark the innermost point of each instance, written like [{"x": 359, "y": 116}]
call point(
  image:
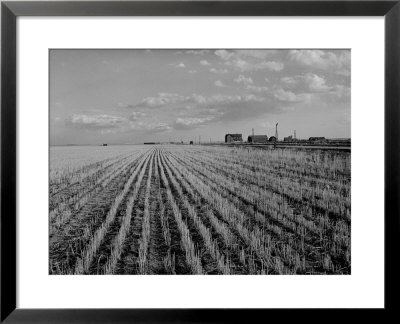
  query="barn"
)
[
  {"x": 229, "y": 138},
  {"x": 257, "y": 139}
]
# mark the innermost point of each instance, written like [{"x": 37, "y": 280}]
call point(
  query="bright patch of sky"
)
[{"x": 135, "y": 96}]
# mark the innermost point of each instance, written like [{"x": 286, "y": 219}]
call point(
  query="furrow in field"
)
[
  {"x": 259, "y": 242},
  {"x": 274, "y": 225},
  {"x": 297, "y": 163},
  {"x": 191, "y": 250},
  {"x": 68, "y": 218},
  {"x": 67, "y": 209},
  {"x": 280, "y": 178},
  {"x": 220, "y": 239},
  {"x": 128, "y": 262},
  {"x": 212, "y": 259},
  {"x": 86, "y": 175},
  {"x": 112, "y": 253},
  {"x": 332, "y": 240},
  {"x": 292, "y": 239},
  {"x": 84, "y": 262},
  {"x": 175, "y": 260},
  {"x": 307, "y": 194},
  {"x": 58, "y": 185},
  {"x": 70, "y": 240},
  {"x": 160, "y": 260},
  {"x": 230, "y": 238},
  {"x": 143, "y": 262}
]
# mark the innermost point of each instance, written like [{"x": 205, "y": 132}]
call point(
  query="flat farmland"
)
[{"x": 198, "y": 209}]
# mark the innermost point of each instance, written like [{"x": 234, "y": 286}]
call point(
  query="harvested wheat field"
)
[{"x": 198, "y": 209}]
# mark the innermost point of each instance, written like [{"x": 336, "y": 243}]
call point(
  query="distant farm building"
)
[
  {"x": 104, "y": 144},
  {"x": 257, "y": 139},
  {"x": 272, "y": 139},
  {"x": 229, "y": 138},
  {"x": 317, "y": 139},
  {"x": 288, "y": 139}
]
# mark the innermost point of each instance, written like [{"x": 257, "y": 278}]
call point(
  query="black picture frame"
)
[{"x": 10, "y": 10}]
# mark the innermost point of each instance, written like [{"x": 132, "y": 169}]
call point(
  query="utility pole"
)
[{"x": 276, "y": 134}]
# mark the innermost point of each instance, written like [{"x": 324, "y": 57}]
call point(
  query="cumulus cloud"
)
[
  {"x": 243, "y": 80},
  {"x": 339, "y": 60},
  {"x": 180, "y": 65},
  {"x": 249, "y": 60},
  {"x": 136, "y": 115},
  {"x": 272, "y": 66},
  {"x": 205, "y": 63},
  {"x": 218, "y": 71},
  {"x": 306, "y": 82},
  {"x": 244, "y": 66},
  {"x": 244, "y": 53},
  {"x": 289, "y": 96},
  {"x": 191, "y": 122},
  {"x": 258, "y": 89},
  {"x": 160, "y": 100},
  {"x": 197, "y": 52},
  {"x": 95, "y": 122},
  {"x": 219, "y": 83},
  {"x": 157, "y": 127},
  {"x": 224, "y": 54}
]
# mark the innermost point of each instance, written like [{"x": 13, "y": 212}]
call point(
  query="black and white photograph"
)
[{"x": 200, "y": 161}]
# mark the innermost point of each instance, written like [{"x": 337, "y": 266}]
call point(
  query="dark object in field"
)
[
  {"x": 257, "y": 139},
  {"x": 229, "y": 138}
]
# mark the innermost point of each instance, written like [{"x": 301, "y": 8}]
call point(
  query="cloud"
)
[
  {"x": 320, "y": 59},
  {"x": 149, "y": 126},
  {"x": 157, "y": 127},
  {"x": 197, "y": 52},
  {"x": 245, "y": 66},
  {"x": 124, "y": 105},
  {"x": 288, "y": 96},
  {"x": 219, "y": 83},
  {"x": 249, "y": 60},
  {"x": 136, "y": 115},
  {"x": 243, "y": 80},
  {"x": 257, "y": 89},
  {"x": 224, "y": 54},
  {"x": 95, "y": 122},
  {"x": 306, "y": 82},
  {"x": 191, "y": 122},
  {"x": 343, "y": 72},
  {"x": 192, "y": 71},
  {"x": 196, "y": 110},
  {"x": 218, "y": 71},
  {"x": 341, "y": 91},
  {"x": 254, "y": 54},
  {"x": 272, "y": 66},
  {"x": 180, "y": 65},
  {"x": 205, "y": 63},
  {"x": 161, "y": 100}
]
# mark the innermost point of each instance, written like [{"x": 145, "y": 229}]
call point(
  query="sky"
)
[{"x": 136, "y": 96}]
